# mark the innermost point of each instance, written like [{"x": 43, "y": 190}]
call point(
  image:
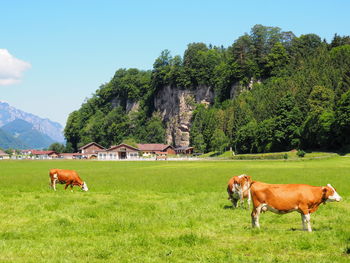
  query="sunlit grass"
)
[{"x": 165, "y": 212}]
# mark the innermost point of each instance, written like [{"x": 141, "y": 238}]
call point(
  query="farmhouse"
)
[
  {"x": 37, "y": 154},
  {"x": 89, "y": 151},
  {"x": 184, "y": 150},
  {"x": 4, "y": 155},
  {"x": 152, "y": 149},
  {"x": 119, "y": 152}
]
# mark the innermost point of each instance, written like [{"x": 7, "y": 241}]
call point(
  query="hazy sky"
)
[{"x": 54, "y": 54}]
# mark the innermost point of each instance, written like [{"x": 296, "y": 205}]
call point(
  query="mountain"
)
[
  {"x": 52, "y": 129},
  {"x": 8, "y": 141},
  {"x": 25, "y": 132}
]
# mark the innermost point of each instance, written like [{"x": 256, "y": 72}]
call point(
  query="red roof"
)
[
  {"x": 2, "y": 152},
  {"x": 153, "y": 147}
]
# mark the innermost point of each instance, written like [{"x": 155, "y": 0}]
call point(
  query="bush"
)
[
  {"x": 285, "y": 156},
  {"x": 301, "y": 153},
  {"x": 276, "y": 156}
]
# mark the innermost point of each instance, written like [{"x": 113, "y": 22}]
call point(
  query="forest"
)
[{"x": 274, "y": 91}]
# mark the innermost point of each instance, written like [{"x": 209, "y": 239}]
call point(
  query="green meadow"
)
[{"x": 166, "y": 211}]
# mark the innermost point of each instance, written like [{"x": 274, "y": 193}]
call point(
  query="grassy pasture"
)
[{"x": 165, "y": 212}]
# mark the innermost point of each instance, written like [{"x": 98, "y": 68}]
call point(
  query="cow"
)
[
  {"x": 238, "y": 189},
  {"x": 68, "y": 177},
  {"x": 286, "y": 198}
]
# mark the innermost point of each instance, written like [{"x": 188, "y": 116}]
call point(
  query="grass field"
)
[{"x": 165, "y": 212}]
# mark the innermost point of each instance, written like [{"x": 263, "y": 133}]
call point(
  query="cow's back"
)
[
  {"x": 284, "y": 196},
  {"x": 65, "y": 175}
]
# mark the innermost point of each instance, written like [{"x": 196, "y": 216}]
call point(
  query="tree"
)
[
  {"x": 264, "y": 135},
  {"x": 219, "y": 141},
  {"x": 57, "y": 147},
  {"x": 276, "y": 60},
  {"x": 72, "y": 129},
  {"x": 342, "y": 120},
  {"x": 155, "y": 132},
  {"x": 287, "y": 124},
  {"x": 198, "y": 143},
  {"x": 245, "y": 138},
  {"x": 316, "y": 130}
]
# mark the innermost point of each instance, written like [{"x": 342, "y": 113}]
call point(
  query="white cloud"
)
[{"x": 11, "y": 68}]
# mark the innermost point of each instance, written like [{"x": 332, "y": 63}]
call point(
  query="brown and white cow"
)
[
  {"x": 238, "y": 189},
  {"x": 286, "y": 198},
  {"x": 68, "y": 177}
]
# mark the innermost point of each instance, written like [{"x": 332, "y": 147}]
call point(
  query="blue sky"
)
[{"x": 64, "y": 50}]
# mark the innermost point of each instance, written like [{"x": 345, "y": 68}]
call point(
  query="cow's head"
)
[
  {"x": 84, "y": 187},
  {"x": 243, "y": 182},
  {"x": 330, "y": 194}
]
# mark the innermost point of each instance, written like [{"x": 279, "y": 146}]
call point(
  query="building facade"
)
[
  {"x": 90, "y": 150},
  {"x": 119, "y": 152}
]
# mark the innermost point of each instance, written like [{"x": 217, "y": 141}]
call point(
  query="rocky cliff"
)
[{"x": 176, "y": 106}]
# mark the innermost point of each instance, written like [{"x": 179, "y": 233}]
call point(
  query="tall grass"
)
[{"x": 165, "y": 212}]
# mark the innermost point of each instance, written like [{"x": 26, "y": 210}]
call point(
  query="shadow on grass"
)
[
  {"x": 234, "y": 208},
  {"x": 302, "y": 230}
]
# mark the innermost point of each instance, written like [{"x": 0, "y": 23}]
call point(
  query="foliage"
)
[
  {"x": 219, "y": 141},
  {"x": 301, "y": 153},
  {"x": 57, "y": 147}
]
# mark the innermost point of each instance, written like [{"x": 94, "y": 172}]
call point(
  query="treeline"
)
[
  {"x": 273, "y": 91},
  {"x": 104, "y": 119}
]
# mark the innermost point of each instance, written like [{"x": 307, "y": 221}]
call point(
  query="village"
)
[{"x": 95, "y": 151}]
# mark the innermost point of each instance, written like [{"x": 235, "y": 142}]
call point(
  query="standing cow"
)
[
  {"x": 286, "y": 198},
  {"x": 68, "y": 177},
  {"x": 238, "y": 189}
]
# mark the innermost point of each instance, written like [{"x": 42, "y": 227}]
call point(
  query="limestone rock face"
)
[{"x": 176, "y": 106}]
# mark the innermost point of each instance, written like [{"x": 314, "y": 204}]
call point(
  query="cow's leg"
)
[
  {"x": 241, "y": 199},
  {"x": 54, "y": 179},
  {"x": 71, "y": 187},
  {"x": 234, "y": 202},
  {"x": 249, "y": 199},
  {"x": 305, "y": 218},
  {"x": 255, "y": 216},
  {"x": 67, "y": 184}
]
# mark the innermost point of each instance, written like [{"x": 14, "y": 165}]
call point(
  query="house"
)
[
  {"x": 151, "y": 148},
  {"x": 119, "y": 152},
  {"x": 89, "y": 151},
  {"x": 184, "y": 150},
  {"x": 38, "y": 154},
  {"x": 4, "y": 155}
]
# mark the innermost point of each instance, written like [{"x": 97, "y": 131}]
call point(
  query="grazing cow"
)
[
  {"x": 286, "y": 198},
  {"x": 68, "y": 177},
  {"x": 238, "y": 189}
]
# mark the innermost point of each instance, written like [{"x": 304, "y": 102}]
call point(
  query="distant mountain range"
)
[{"x": 20, "y": 130}]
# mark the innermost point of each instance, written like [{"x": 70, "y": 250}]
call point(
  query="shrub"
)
[{"x": 301, "y": 153}]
